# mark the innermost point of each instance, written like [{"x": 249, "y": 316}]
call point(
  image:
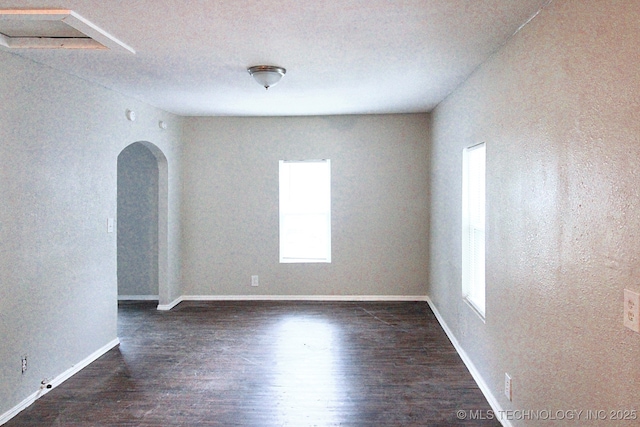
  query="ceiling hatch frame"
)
[{"x": 92, "y": 37}]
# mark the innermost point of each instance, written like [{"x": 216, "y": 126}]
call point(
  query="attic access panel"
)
[{"x": 53, "y": 29}]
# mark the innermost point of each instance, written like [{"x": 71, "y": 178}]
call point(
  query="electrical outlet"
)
[
  {"x": 24, "y": 364},
  {"x": 508, "y": 386},
  {"x": 254, "y": 281},
  {"x": 632, "y": 310}
]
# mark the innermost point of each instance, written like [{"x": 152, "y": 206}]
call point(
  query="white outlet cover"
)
[
  {"x": 632, "y": 310},
  {"x": 507, "y": 386}
]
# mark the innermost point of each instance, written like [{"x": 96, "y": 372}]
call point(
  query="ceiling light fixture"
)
[{"x": 266, "y": 75}]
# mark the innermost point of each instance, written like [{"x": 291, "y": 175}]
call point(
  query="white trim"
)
[
  {"x": 4, "y": 40},
  {"x": 138, "y": 297},
  {"x": 74, "y": 369},
  {"x": 96, "y": 33},
  {"x": 493, "y": 402},
  {"x": 167, "y": 307},
  {"x": 346, "y": 298}
]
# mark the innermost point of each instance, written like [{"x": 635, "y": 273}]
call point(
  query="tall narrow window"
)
[
  {"x": 473, "y": 226},
  {"x": 305, "y": 211}
]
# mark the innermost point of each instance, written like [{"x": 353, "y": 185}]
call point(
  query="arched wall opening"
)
[{"x": 142, "y": 222}]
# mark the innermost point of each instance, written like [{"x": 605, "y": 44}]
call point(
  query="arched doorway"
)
[{"x": 142, "y": 222}]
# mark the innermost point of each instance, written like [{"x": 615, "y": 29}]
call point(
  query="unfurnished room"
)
[{"x": 313, "y": 213}]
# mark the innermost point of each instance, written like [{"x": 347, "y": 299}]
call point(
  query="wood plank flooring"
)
[{"x": 269, "y": 364}]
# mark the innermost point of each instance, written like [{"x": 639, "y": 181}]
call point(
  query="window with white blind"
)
[
  {"x": 305, "y": 211},
  {"x": 473, "y": 227}
]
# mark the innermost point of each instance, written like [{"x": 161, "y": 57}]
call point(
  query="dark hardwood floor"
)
[{"x": 269, "y": 364}]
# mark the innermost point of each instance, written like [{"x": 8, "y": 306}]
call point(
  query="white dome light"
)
[{"x": 267, "y": 75}]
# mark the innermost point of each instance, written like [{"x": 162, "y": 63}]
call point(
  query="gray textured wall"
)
[
  {"x": 137, "y": 222},
  {"x": 558, "y": 108},
  {"x": 59, "y": 142},
  {"x": 380, "y": 213}
]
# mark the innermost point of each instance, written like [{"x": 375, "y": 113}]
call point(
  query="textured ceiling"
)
[{"x": 342, "y": 57}]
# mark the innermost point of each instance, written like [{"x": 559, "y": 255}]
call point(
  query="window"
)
[
  {"x": 305, "y": 211},
  {"x": 473, "y": 226}
]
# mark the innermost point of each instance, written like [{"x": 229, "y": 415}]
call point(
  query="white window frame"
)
[
  {"x": 473, "y": 227},
  {"x": 296, "y": 207}
]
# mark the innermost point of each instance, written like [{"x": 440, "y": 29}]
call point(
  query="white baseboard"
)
[
  {"x": 346, "y": 298},
  {"x": 57, "y": 381},
  {"x": 302, "y": 298},
  {"x": 138, "y": 297},
  {"x": 167, "y": 307},
  {"x": 493, "y": 402}
]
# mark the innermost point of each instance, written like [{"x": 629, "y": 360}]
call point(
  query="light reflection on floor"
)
[{"x": 307, "y": 379}]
